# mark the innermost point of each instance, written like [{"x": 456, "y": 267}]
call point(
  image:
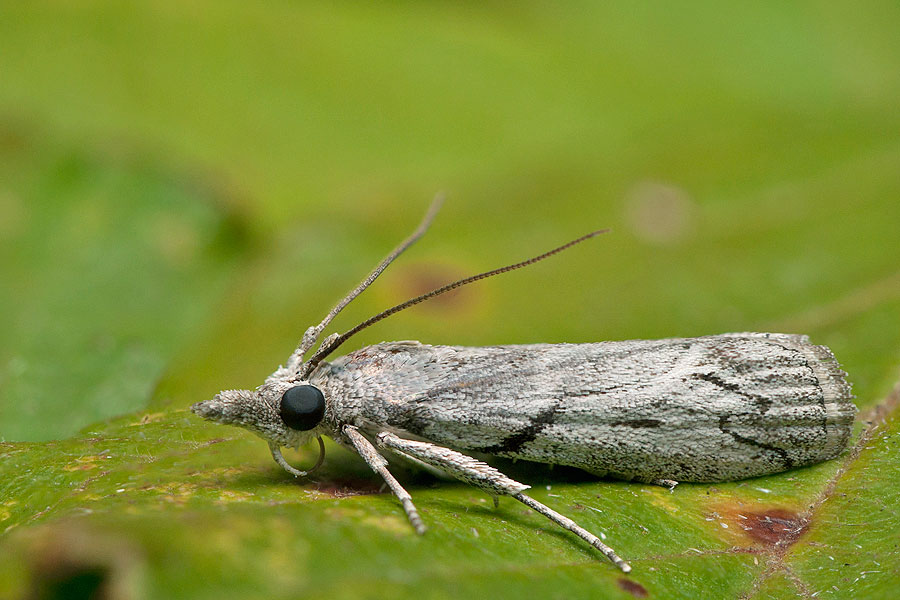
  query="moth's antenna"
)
[
  {"x": 332, "y": 342},
  {"x": 313, "y": 333}
]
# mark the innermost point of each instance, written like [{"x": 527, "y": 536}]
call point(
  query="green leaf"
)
[{"x": 183, "y": 190}]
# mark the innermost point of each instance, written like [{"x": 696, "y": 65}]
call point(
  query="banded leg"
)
[
  {"x": 481, "y": 475},
  {"x": 378, "y": 463}
]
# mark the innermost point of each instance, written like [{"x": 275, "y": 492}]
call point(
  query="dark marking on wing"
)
[
  {"x": 821, "y": 395},
  {"x": 514, "y": 442},
  {"x": 764, "y": 404},
  {"x": 724, "y": 427},
  {"x": 638, "y": 423}
]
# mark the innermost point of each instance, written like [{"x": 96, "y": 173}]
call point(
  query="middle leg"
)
[{"x": 378, "y": 463}]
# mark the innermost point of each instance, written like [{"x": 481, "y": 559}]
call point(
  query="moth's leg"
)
[
  {"x": 276, "y": 454},
  {"x": 666, "y": 483},
  {"x": 378, "y": 463},
  {"x": 484, "y": 476}
]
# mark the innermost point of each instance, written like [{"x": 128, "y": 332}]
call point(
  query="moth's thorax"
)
[
  {"x": 335, "y": 391},
  {"x": 358, "y": 389}
]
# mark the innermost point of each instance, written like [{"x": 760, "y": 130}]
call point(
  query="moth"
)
[{"x": 704, "y": 409}]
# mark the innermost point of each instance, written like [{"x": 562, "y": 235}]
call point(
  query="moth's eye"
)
[{"x": 302, "y": 407}]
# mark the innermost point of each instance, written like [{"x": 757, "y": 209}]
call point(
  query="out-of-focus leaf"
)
[{"x": 97, "y": 252}]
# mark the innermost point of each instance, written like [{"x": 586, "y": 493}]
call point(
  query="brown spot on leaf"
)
[
  {"x": 776, "y": 526},
  {"x": 633, "y": 588},
  {"x": 771, "y": 526}
]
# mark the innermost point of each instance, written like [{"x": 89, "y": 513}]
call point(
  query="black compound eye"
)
[{"x": 302, "y": 407}]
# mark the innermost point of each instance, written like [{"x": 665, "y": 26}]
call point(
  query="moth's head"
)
[{"x": 284, "y": 413}]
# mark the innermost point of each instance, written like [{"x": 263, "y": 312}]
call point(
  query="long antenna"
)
[
  {"x": 332, "y": 342},
  {"x": 312, "y": 334}
]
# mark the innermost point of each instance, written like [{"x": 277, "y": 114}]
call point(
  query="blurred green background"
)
[{"x": 186, "y": 186}]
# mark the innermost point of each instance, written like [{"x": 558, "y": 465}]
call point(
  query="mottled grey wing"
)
[{"x": 712, "y": 408}]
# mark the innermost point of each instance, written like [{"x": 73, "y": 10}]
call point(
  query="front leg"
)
[
  {"x": 276, "y": 454},
  {"x": 379, "y": 464},
  {"x": 482, "y": 475}
]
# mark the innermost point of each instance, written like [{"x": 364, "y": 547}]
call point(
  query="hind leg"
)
[{"x": 481, "y": 475}]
